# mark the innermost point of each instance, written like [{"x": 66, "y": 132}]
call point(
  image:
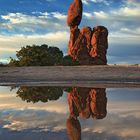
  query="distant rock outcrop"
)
[{"x": 88, "y": 46}]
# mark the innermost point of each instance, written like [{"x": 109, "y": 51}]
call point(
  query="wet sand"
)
[{"x": 87, "y": 76}]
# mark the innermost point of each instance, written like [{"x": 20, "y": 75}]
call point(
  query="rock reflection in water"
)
[{"x": 83, "y": 102}]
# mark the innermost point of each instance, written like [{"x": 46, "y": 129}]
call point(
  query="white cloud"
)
[
  {"x": 129, "y": 31},
  {"x": 16, "y": 41},
  {"x": 59, "y": 16},
  {"x": 86, "y": 2},
  {"x": 101, "y": 15},
  {"x": 23, "y": 23},
  {"x": 127, "y": 12},
  {"x": 122, "y": 14},
  {"x": 88, "y": 15}
]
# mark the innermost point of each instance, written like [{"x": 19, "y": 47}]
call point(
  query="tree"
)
[
  {"x": 68, "y": 61},
  {"x": 37, "y": 56}
]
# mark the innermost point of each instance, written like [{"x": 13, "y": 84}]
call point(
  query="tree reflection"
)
[
  {"x": 85, "y": 102},
  {"x": 36, "y": 94}
]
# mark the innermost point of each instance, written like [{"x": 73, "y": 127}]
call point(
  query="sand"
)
[{"x": 87, "y": 76}]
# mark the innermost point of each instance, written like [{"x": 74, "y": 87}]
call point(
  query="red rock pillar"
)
[{"x": 99, "y": 44}]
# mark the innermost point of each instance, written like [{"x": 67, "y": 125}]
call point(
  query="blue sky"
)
[{"x": 27, "y": 22}]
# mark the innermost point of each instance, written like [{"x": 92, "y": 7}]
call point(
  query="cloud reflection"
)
[{"x": 48, "y": 120}]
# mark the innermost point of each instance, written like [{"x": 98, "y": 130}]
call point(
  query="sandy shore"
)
[{"x": 88, "y": 76}]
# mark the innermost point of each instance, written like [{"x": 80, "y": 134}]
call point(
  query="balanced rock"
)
[
  {"x": 75, "y": 13},
  {"x": 87, "y": 46}
]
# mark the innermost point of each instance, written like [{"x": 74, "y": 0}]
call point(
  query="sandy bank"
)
[{"x": 123, "y": 75}]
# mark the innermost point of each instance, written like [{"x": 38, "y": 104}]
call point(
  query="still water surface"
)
[{"x": 52, "y": 113}]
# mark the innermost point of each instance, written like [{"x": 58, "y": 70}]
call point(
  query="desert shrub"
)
[
  {"x": 68, "y": 61},
  {"x": 37, "y": 56}
]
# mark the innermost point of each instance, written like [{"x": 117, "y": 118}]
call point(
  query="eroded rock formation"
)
[{"x": 87, "y": 45}]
